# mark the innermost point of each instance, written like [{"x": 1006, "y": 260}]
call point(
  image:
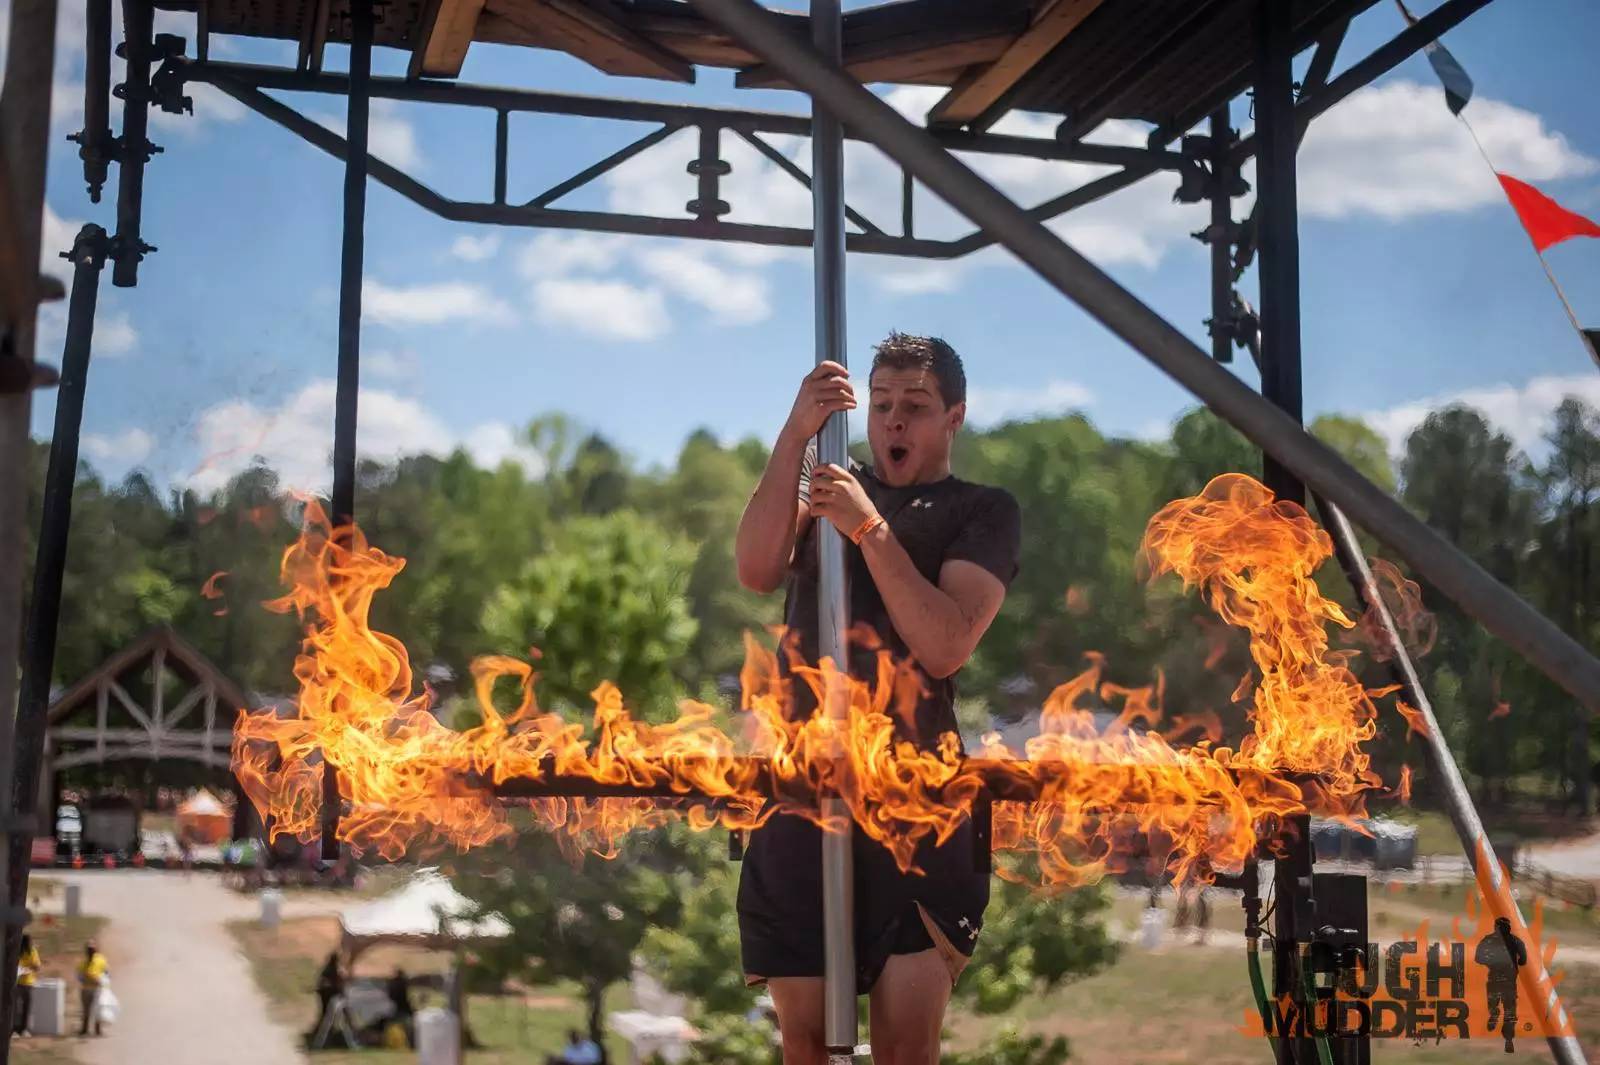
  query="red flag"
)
[{"x": 1546, "y": 221}]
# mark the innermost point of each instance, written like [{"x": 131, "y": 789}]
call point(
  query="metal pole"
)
[
  {"x": 1537, "y": 984},
  {"x": 88, "y": 257},
  {"x": 1294, "y": 916},
  {"x": 348, "y": 381},
  {"x": 1434, "y": 558},
  {"x": 95, "y": 143},
  {"x": 24, "y": 150},
  {"x": 134, "y": 150},
  {"x": 1221, "y": 237},
  {"x": 833, "y": 593}
]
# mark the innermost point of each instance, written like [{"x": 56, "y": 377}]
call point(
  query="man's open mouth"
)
[{"x": 897, "y": 453}]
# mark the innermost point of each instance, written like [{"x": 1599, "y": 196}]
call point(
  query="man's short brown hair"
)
[{"x": 902, "y": 351}]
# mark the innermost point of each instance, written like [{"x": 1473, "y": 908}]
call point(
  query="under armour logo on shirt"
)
[
  {"x": 921, "y": 504},
  {"x": 972, "y": 933}
]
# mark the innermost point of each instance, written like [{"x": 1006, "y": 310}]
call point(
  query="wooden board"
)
[
  {"x": 597, "y": 33},
  {"x": 982, "y": 86},
  {"x": 443, "y": 37}
]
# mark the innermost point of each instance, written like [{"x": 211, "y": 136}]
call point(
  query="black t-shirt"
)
[{"x": 935, "y": 523}]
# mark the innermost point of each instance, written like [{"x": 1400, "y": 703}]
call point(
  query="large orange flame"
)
[{"x": 1100, "y": 799}]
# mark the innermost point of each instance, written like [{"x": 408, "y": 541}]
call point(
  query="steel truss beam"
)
[{"x": 245, "y": 83}]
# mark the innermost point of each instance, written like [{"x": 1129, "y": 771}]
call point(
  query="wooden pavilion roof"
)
[{"x": 1166, "y": 61}]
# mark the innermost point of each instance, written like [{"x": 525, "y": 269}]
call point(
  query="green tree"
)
[
  {"x": 579, "y": 922},
  {"x": 604, "y": 601},
  {"x": 1468, "y": 481}
]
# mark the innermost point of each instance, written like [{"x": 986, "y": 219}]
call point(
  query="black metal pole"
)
[
  {"x": 134, "y": 150},
  {"x": 348, "y": 380},
  {"x": 88, "y": 256},
  {"x": 1276, "y": 193},
  {"x": 1280, "y": 231},
  {"x": 1442, "y": 564},
  {"x": 1220, "y": 236},
  {"x": 95, "y": 141}
]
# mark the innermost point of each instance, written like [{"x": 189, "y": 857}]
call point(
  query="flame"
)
[
  {"x": 1402, "y": 790},
  {"x": 1418, "y": 629},
  {"x": 1415, "y": 721},
  {"x": 1103, "y": 799},
  {"x": 209, "y": 589}
]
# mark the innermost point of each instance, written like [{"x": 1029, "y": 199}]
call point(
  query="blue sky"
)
[{"x": 1419, "y": 286}]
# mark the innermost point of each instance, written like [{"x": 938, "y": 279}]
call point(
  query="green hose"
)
[
  {"x": 1324, "y": 1051},
  {"x": 1258, "y": 986}
]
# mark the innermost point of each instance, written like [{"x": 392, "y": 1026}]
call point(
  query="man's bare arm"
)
[
  {"x": 940, "y": 623},
  {"x": 773, "y": 520}
]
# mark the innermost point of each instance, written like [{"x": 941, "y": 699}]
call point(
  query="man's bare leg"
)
[
  {"x": 907, "y": 1009},
  {"x": 798, "y": 1000}
]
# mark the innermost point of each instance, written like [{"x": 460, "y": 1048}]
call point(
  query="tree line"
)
[{"x": 625, "y": 573}]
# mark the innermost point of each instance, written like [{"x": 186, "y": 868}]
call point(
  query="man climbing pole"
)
[{"x": 929, "y": 560}]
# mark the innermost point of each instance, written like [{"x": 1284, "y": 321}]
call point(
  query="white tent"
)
[{"x": 425, "y": 910}]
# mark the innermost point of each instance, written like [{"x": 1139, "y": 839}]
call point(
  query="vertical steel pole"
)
[
  {"x": 348, "y": 381},
  {"x": 1221, "y": 237},
  {"x": 827, "y": 199},
  {"x": 88, "y": 257},
  {"x": 1280, "y": 233},
  {"x": 135, "y": 150},
  {"x": 1534, "y": 978},
  {"x": 25, "y": 91},
  {"x": 1295, "y": 915}
]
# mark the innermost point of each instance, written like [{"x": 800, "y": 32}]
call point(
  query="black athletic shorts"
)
[{"x": 780, "y": 903}]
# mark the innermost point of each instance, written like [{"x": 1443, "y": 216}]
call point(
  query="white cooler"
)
[
  {"x": 49, "y": 1013},
  {"x": 271, "y": 907},
  {"x": 438, "y": 1039}
]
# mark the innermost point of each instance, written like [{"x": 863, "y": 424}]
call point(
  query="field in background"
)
[{"x": 514, "y": 1029}]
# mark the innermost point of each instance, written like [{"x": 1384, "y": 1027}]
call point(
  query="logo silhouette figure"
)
[{"x": 1502, "y": 953}]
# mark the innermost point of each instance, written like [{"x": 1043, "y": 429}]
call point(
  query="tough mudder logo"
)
[{"x": 1475, "y": 986}]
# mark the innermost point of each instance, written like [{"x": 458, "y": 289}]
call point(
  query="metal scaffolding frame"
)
[{"x": 842, "y": 109}]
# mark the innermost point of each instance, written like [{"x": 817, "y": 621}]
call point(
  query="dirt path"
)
[{"x": 187, "y": 995}]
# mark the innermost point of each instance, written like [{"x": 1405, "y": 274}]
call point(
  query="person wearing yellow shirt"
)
[
  {"x": 28, "y": 966},
  {"x": 92, "y": 973}
]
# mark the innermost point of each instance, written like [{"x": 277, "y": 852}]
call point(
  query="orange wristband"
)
[{"x": 865, "y": 527}]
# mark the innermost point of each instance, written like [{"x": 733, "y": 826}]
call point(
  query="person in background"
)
[
  {"x": 580, "y": 1050},
  {"x": 404, "y": 1013},
  {"x": 92, "y": 973},
  {"x": 28, "y": 965},
  {"x": 330, "y": 985}
]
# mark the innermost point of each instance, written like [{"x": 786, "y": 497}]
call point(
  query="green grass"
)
[{"x": 513, "y": 1028}]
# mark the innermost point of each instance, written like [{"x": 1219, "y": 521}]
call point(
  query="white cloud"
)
[
  {"x": 433, "y": 304},
  {"x": 1522, "y": 412},
  {"x": 400, "y": 365},
  {"x": 118, "y": 450},
  {"x": 1395, "y": 151},
  {"x": 733, "y": 298},
  {"x": 493, "y": 444},
  {"x": 56, "y": 236},
  {"x": 476, "y": 249},
  {"x": 390, "y": 135},
  {"x": 608, "y": 310},
  {"x": 114, "y": 335},
  {"x": 296, "y": 437},
  {"x": 562, "y": 254},
  {"x": 991, "y": 406}
]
